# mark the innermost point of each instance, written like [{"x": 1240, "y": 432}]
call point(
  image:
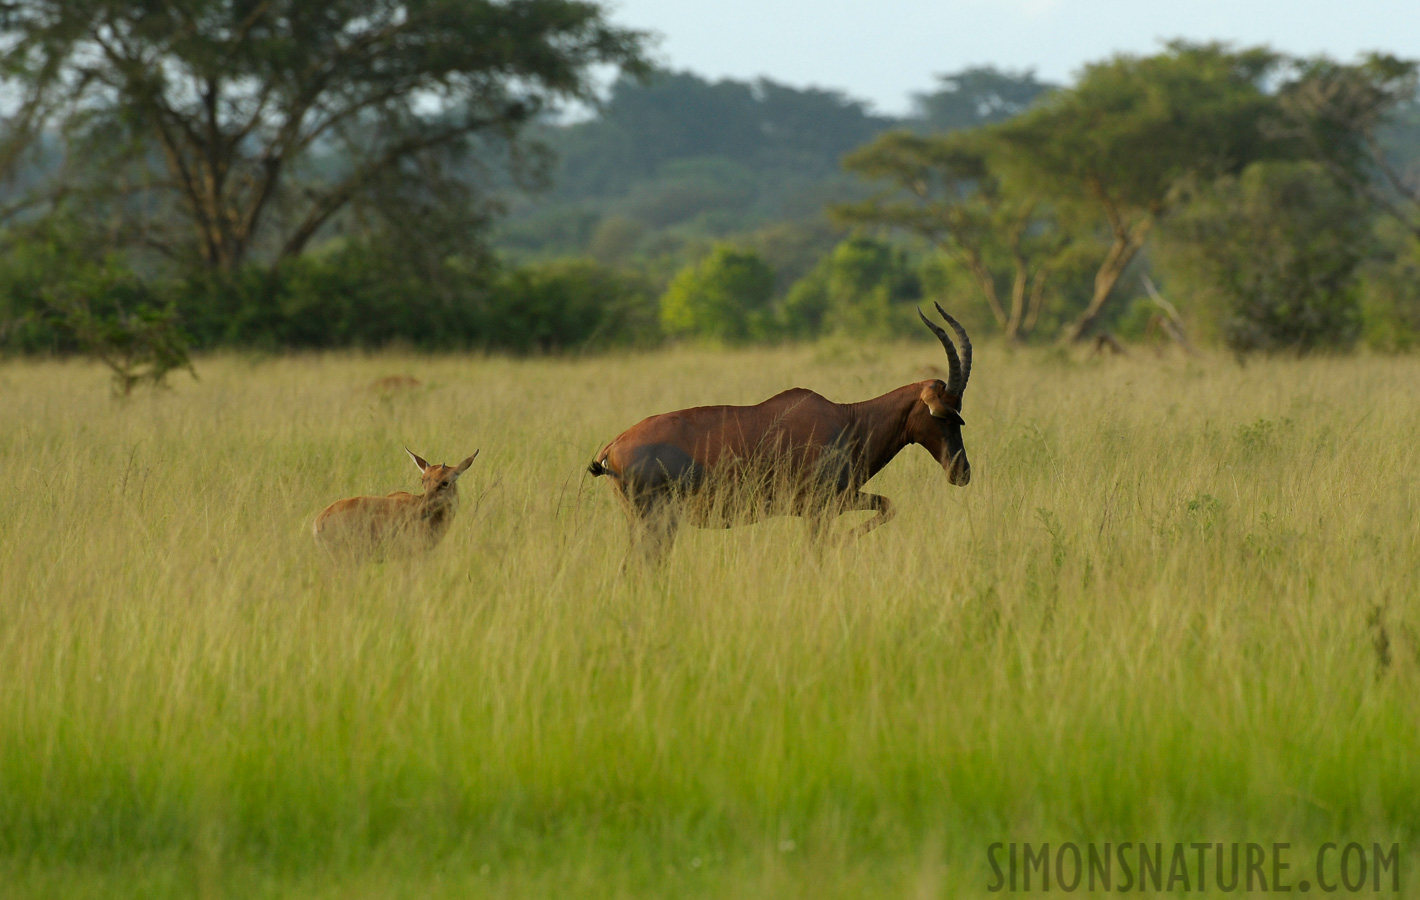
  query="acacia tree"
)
[
  {"x": 944, "y": 189},
  {"x": 1112, "y": 148},
  {"x": 235, "y": 108}
]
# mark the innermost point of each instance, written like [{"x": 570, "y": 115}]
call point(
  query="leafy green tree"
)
[
  {"x": 254, "y": 124},
  {"x": 688, "y": 188},
  {"x": 726, "y": 297},
  {"x": 1110, "y": 150},
  {"x": 1276, "y": 251},
  {"x": 864, "y": 287},
  {"x": 944, "y": 189}
]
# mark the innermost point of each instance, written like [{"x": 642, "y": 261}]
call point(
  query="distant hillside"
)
[{"x": 673, "y": 164}]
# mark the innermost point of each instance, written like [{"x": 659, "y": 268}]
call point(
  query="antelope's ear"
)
[
  {"x": 418, "y": 460},
  {"x": 934, "y": 394},
  {"x": 463, "y": 466}
]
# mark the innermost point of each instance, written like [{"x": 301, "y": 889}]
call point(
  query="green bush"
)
[
  {"x": 141, "y": 344},
  {"x": 725, "y": 297},
  {"x": 1275, "y": 251},
  {"x": 58, "y": 297},
  {"x": 570, "y": 304},
  {"x": 863, "y": 287},
  {"x": 1390, "y": 292},
  {"x": 34, "y": 264},
  {"x": 351, "y": 297}
]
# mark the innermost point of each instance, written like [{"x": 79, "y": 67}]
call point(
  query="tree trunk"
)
[
  {"x": 1121, "y": 253},
  {"x": 970, "y": 258},
  {"x": 1037, "y": 294},
  {"x": 1018, "y": 301},
  {"x": 1021, "y": 277},
  {"x": 986, "y": 283}
]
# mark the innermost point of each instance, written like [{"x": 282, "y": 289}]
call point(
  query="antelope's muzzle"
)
[{"x": 958, "y": 470}]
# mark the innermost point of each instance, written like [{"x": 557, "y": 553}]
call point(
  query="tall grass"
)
[{"x": 1176, "y": 603}]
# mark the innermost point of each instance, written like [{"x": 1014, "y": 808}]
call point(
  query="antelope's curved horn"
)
[
  {"x": 965, "y": 346},
  {"x": 955, "y": 382}
]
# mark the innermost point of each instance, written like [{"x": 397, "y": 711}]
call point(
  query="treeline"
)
[
  {"x": 1203, "y": 194},
  {"x": 674, "y": 162},
  {"x": 301, "y": 175}
]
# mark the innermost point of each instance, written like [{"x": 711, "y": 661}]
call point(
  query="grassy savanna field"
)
[{"x": 1178, "y": 602}]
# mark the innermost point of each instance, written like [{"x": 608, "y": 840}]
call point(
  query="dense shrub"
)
[
  {"x": 353, "y": 295},
  {"x": 725, "y": 297},
  {"x": 37, "y": 266},
  {"x": 59, "y": 294},
  {"x": 863, "y": 287},
  {"x": 1275, "y": 252},
  {"x": 352, "y": 298},
  {"x": 567, "y": 305},
  {"x": 1390, "y": 291}
]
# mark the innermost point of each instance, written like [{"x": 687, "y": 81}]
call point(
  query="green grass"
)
[{"x": 1177, "y": 602}]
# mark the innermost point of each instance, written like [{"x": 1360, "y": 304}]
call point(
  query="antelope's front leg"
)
[{"x": 865, "y": 501}]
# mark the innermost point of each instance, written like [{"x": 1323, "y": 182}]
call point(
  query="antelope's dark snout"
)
[{"x": 958, "y": 469}]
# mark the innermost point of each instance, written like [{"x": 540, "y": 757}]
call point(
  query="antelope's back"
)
[{"x": 686, "y": 445}]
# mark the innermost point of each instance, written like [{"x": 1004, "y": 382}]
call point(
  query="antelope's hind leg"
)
[
  {"x": 653, "y": 518},
  {"x": 659, "y": 521}
]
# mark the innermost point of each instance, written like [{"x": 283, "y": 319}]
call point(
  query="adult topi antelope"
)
[
  {"x": 374, "y": 523},
  {"x": 796, "y": 453}
]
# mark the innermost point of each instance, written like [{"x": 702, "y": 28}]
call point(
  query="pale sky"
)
[{"x": 884, "y": 50}]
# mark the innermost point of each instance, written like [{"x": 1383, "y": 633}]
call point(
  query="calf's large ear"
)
[
  {"x": 418, "y": 460},
  {"x": 463, "y": 466},
  {"x": 934, "y": 394}
]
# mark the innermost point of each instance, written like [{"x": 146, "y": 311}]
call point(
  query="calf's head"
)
[{"x": 439, "y": 480}]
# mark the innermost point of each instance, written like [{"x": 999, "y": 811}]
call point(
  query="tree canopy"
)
[
  {"x": 190, "y": 153},
  {"x": 201, "y": 113},
  {"x": 1114, "y": 145},
  {"x": 945, "y": 188}
]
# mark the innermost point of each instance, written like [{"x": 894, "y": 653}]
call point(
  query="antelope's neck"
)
[
  {"x": 880, "y": 425},
  {"x": 438, "y": 514}
]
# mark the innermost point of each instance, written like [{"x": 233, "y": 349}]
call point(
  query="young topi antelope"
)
[{"x": 370, "y": 523}]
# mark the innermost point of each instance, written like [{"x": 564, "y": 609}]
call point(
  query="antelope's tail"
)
[{"x": 598, "y": 466}]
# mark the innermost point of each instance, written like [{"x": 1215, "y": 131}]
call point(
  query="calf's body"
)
[{"x": 412, "y": 521}]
